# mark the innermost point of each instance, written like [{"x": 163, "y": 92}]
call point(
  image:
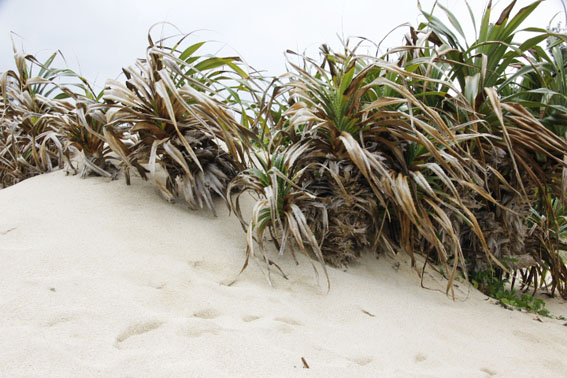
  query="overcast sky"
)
[{"x": 99, "y": 37}]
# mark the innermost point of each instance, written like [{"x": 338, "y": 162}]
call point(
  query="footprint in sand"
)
[
  {"x": 420, "y": 357},
  {"x": 201, "y": 325},
  {"x": 137, "y": 329},
  {"x": 490, "y": 372},
  {"x": 206, "y": 266},
  {"x": 200, "y": 330},
  {"x": 362, "y": 361},
  {"x": 58, "y": 319},
  {"x": 289, "y": 321},
  {"x": 208, "y": 313},
  {"x": 287, "y": 325},
  {"x": 250, "y": 318},
  {"x": 526, "y": 336}
]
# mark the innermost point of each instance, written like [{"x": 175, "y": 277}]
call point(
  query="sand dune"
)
[{"x": 100, "y": 279}]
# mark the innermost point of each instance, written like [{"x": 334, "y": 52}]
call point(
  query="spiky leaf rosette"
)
[
  {"x": 30, "y": 105},
  {"x": 508, "y": 85},
  {"x": 388, "y": 168},
  {"x": 280, "y": 206},
  {"x": 173, "y": 103},
  {"x": 410, "y": 154},
  {"x": 82, "y": 131}
]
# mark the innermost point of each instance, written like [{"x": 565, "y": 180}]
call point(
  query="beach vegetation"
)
[
  {"x": 31, "y": 101},
  {"x": 173, "y": 105},
  {"x": 448, "y": 147}
]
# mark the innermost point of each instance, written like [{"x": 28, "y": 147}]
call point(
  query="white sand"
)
[{"x": 100, "y": 279}]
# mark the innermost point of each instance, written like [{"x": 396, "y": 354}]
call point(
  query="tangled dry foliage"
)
[
  {"x": 435, "y": 148},
  {"x": 45, "y": 123},
  {"x": 82, "y": 131},
  {"x": 29, "y": 144},
  {"x": 172, "y": 105},
  {"x": 450, "y": 149},
  {"x": 524, "y": 159}
]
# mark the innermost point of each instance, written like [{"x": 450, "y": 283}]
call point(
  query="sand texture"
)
[{"x": 100, "y": 279}]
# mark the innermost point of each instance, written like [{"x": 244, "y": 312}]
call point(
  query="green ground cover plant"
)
[{"x": 507, "y": 297}]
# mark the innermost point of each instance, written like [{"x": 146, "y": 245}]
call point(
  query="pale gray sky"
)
[{"x": 99, "y": 37}]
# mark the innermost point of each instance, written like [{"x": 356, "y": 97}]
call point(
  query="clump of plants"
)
[
  {"x": 377, "y": 164},
  {"x": 173, "y": 108},
  {"x": 444, "y": 147},
  {"x": 82, "y": 129},
  {"x": 522, "y": 155},
  {"x": 30, "y": 104},
  {"x": 430, "y": 149}
]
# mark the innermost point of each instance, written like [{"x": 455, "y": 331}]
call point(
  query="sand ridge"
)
[{"x": 103, "y": 279}]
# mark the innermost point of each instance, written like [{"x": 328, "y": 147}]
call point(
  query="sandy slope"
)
[{"x": 100, "y": 279}]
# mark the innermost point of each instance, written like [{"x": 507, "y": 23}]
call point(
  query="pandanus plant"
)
[
  {"x": 382, "y": 170},
  {"x": 522, "y": 153},
  {"x": 82, "y": 130},
  {"x": 280, "y": 205},
  {"x": 29, "y": 107},
  {"x": 174, "y": 106}
]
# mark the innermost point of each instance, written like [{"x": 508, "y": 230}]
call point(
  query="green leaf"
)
[
  {"x": 188, "y": 52},
  {"x": 453, "y": 20},
  {"x": 472, "y": 87},
  {"x": 346, "y": 80}
]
